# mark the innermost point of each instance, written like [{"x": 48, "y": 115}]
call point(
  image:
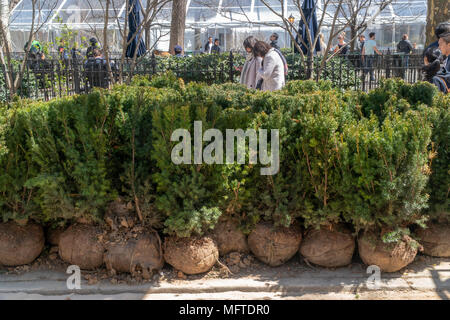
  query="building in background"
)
[{"x": 231, "y": 21}]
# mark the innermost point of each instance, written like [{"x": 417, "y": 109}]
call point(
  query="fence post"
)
[
  {"x": 388, "y": 64},
  {"x": 231, "y": 64},
  {"x": 153, "y": 63}
]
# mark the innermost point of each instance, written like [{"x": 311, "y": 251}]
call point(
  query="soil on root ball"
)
[
  {"x": 229, "y": 238},
  {"x": 192, "y": 255},
  {"x": 389, "y": 257},
  {"x": 80, "y": 245},
  {"x": 274, "y": 246},
  {"x": 19, "y": 244},
  {"x": 137, "y": 251},
  {"x": 329, "y": 247},
  {"x": 435, "y": 240}
]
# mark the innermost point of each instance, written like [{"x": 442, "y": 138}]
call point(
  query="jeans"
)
[{"x": 369, "y": 61}]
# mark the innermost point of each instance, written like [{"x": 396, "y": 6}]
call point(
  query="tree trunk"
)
[
  {"x": 4, "y": 16},
  {"x": 437, "y": 12},
  {"x": 178, "y": 24},
  {"x": 353, "y": 36}
]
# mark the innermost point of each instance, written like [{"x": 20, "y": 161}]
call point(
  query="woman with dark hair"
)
[
  {"x": 272, "y": 71},
  {"x": 249, "y": 75},
  {"x": 432, "y": 63}
]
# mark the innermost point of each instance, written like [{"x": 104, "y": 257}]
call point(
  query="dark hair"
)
[
  {"x": 96, "y": 52},
  {"x": 371, "y": 34},
  {"x": 249, "y": 42},
  {"x": 404, "y": 36},
  {"x": 177, "y": 49},
  {"x": 432, "y": 54},
  {"x": 275, "y": 35},
  {"x": 442, "y": 28},
  {"x": 93, "y": 41},
  {"x": 433, "y": 57},
  {"x": 261, "y": 48},
  {"x": 216, "y": 39}
]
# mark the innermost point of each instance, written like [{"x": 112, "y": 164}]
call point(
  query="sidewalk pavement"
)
[{"x": 431, "y": 281}]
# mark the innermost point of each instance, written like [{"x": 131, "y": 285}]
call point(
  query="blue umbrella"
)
[
  {"x": 134, "y": 19},
  {"x": 309, "y": 10}
]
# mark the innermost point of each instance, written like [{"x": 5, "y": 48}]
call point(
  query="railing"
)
[{"x": 47, "y": 79}]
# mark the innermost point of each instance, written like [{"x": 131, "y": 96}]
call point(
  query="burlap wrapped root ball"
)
[
  {"x": 229, "y": 238},
  {"x": 19, "y": 244},
  {"x": 389, "y": 257},
  {"x": 274, "y": 246},
  {"x": 143, "y": 254},
  {"x": 192, "y": 255},
  {"x": 328, "y": 247},
  {"x": 435, "y": 240},
  {"x": 79, "y": 245}
]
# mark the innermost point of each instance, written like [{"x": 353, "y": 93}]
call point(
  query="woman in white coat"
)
[
  {"x": 272, "y": 71},
  {"x": 249, "y": 75}
]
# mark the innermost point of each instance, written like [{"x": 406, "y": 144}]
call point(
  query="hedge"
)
[{"x": 375, "y": 161}]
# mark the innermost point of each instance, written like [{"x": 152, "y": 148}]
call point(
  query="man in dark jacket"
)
[
  {"x": 405, "y": 47},
  {"x": 216, "y": 47},
  {"x": 96, "y": 70},
  {"x": 90, "y": 50}
]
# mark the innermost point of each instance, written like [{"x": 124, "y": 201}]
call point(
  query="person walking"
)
[
  {"x": 272, "y": 70},
  {"x": 360, "y": 43},
  {"x": 216, "y": 47},
  {"x": 359, "y": 47},
  {"x": 368, "y": 54},
  {"x": 405, "y": 47},
  {"x": 274, "y": 41},
  {"x": 323, "y": 45},
  {"x": 209, "y": 45},
  {"x": 249, "y": 73}
]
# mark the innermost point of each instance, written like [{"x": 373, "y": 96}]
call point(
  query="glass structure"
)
[{"x": 230, "y": 21}]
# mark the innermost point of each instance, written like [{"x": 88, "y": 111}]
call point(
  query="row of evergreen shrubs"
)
[
  {"x": 376, "y": 161},
  {"x": 215, "y": 68}
]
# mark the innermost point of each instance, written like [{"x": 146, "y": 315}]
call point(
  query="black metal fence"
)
[{"x": 47, "y": 79}]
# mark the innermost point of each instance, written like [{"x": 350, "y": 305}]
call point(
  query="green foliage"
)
[
  {"x": 338, "y": 70},
  {"x": 27, "y": 87},
  {"x": 308, "y": 86},
  {"x": 377, "y": 161},
  {"x": 383, "y": 170},
  {"x": 439, "y": 154},
  {"x": 210, "y": 68},
  {"x": 56, "y": 165}
]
